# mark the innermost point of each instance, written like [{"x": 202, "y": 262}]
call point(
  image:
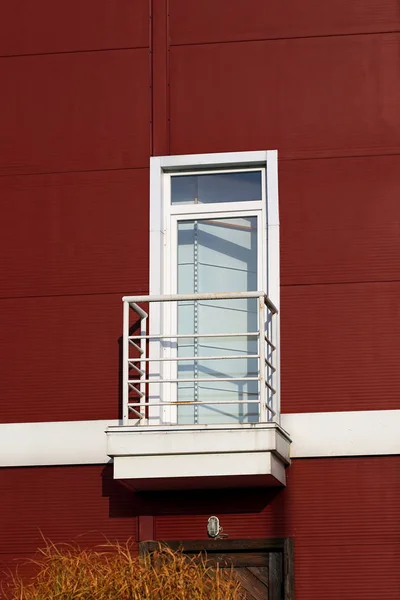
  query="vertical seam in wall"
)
[
  {"x": 168, "y": 90},
  {"x": 151, "y": 96}
]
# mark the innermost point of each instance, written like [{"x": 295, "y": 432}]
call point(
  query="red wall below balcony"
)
[{"x": 342, "y": 514}]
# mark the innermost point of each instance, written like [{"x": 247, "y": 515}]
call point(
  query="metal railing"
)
[{"x": 151, "y": 359}]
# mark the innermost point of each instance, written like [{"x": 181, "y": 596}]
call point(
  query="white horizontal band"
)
[
  {"x": 369, "y": 433},
  {"x": 353, "y": 433}
]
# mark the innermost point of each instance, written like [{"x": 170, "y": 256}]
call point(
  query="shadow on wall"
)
[{"x": 124, "y": 502}]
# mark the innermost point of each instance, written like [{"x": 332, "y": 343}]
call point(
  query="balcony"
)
[{"x": 200, "y": 403}]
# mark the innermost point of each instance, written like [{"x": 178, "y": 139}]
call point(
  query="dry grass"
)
[{"x": 112, "y": 572}]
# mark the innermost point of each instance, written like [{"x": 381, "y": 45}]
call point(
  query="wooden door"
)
[
  {"x": 264, "y": 567},
  {"x": 259, "y": 573}
]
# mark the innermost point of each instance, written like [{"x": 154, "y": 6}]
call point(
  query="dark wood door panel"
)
[
  {"x": 276, "y": 583},
  {"x": 260, "y": 574},
  {"x": 254, "y": 581}
]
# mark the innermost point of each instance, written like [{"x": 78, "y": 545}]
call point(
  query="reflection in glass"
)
[
  {"x": 216, "y": 187},
  {"x": 218, "y": 255}
]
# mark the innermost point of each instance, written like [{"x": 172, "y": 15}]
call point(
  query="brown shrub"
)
[{"x": 112, "y": 572}]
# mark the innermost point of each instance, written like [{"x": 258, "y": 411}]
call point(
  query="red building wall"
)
[
  {"x": 90, "y": 90},
  {"x": 342, "y": 513},
  {"x": 86, "y": 102},
  {"x": 75, "y": 125}
]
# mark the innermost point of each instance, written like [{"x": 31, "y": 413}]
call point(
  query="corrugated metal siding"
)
[
  {"x": 44, "y": 26},
  {"x": 90, "y": 98},
  {"x": 342, "y": 513},
  {"x": 62, "y": 503},
  {"x": 327, "y": 501},
  {"x": 62, "y": 357},
  {"x": 348, "y": 572},
  {"x": 87, "y": 233},
  {"x": 314, "y": 97},
  {"x": 74, "y": 233},
  {"x": 194, "y": 22},
  {"x": 340, "y": 220},
  {"x": 340, "y": 347},
  {"x": 76, "y": 111}
]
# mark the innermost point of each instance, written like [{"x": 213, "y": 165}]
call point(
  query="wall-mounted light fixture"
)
[{"x": 214, "y": 529}]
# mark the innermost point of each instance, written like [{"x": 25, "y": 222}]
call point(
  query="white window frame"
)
[{"x": 163, "y": 223}]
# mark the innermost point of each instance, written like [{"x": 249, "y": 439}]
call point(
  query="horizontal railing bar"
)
[
  {"x": 197, "y": 380},
  {"x": 197, "y": 402},
  {"x": 133, "y": 300},
  {"x": 273, "y": 390},
  {"x": 270, "y": 365},
  {"x": 191, "y": 335},
  {"x": 190, "y": 402},
  {"x": 193, "y": 358},
  {"x": 185, "y": 297}
]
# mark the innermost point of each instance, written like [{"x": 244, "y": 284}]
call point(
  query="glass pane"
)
[
  {"x": 216, "y": 187},
  {"x": 218, "y": 255}
]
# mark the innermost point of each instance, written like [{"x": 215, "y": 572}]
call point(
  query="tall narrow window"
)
[{"x": 209, "y": 224}]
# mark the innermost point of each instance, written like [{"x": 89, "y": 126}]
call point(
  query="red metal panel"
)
[
  {"x": 320, "y": 97},
  {"x": 340, "y": 220},
  {"x": 327, "y": 502},
  {"x": 75, "y": 233},
  {"x": 78, "y": 111},
  {"x": 145, "y": 528},
  {"x": 348, "y": 572},
  {"x": 61, "y": 357},
  {"x": 339, "y": 511},
  {"x": 342, "y": 514},
  {"x": 45, "y": 26},
  {"x": 160, "y": 78},
  {"x": 194, "y": 22},
  {"x": 11, "y": 561},
  {"x": 340, "y": 347},
  {"x": 62, "y": 504}
]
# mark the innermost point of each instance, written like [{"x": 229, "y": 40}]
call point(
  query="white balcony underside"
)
[{"x": 172, "y": 457}]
